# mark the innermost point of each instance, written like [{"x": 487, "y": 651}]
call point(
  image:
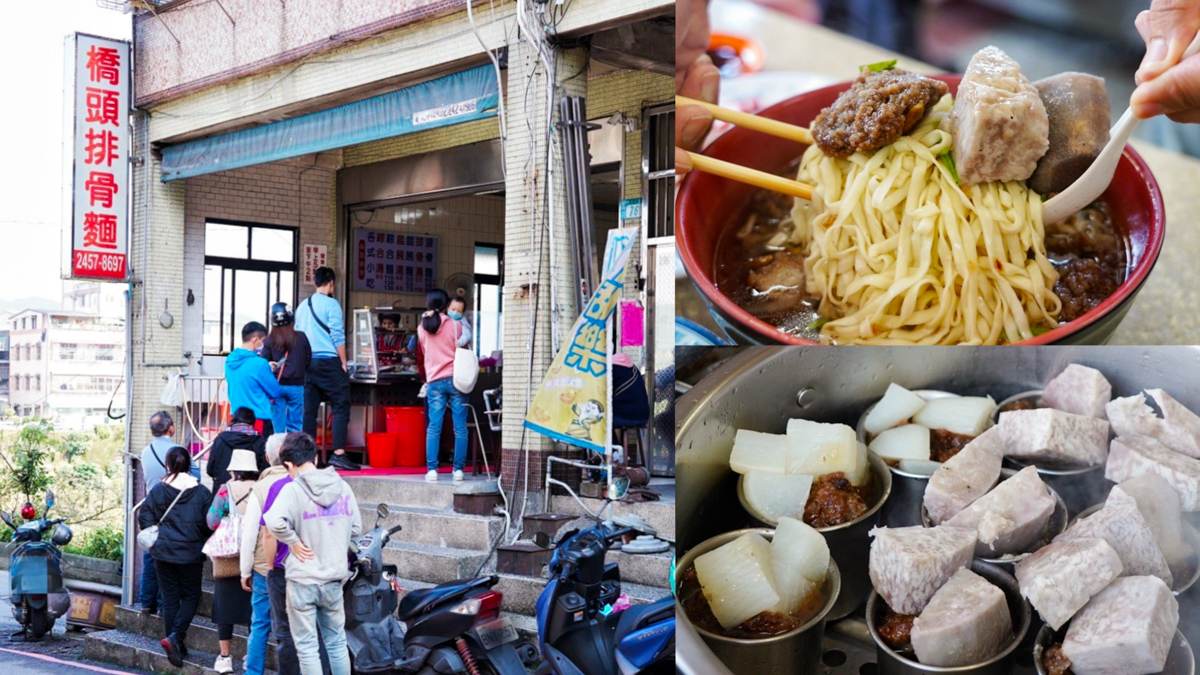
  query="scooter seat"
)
[
  {"x": 640, "y": 616},
  {"x": 420, "y": 601}
]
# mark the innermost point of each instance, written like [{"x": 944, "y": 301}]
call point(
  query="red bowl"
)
[{"x": 707, "y": 205}]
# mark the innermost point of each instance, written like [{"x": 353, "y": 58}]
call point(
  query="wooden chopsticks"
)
[
  {"x": 742, "y": 174},
  {"x": 748, "y": 121}
]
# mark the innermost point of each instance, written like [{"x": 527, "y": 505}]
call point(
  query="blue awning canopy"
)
[{"x": 460, "y": 97}]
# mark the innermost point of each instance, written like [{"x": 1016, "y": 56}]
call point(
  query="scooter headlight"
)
[{"x": 62, "y": 535}]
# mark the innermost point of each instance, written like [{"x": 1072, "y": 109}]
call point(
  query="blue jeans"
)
[
  {"x": 288, "y": 409},
  {"x": 317, "y": 609},
  {"x": 437, "y": 395},
  {"x": 260, "y": 626},
  {"x": 148, "y": 595}
]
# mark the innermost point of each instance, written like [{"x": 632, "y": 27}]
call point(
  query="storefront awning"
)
[{"x": 460, "y": 97}]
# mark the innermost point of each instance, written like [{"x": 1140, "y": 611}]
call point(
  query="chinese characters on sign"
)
[
  {"x": 314, "y": 256},
  {"x": 395, "y": 262},
  {"x": 99, "y": 156}
]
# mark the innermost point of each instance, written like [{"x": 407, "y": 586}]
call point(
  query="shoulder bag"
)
[
  {"x": 224, "y": 546},
  {"x": 149, "y": 536},
  {"x": 466, "y": 366}
]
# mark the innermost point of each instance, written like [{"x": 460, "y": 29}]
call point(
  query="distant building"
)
[
  {"x": 66, "y": 365},
  {"x": 3, "y": 363}
]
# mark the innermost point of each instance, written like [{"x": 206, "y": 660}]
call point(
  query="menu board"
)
[{"x": 395, "y": 262}]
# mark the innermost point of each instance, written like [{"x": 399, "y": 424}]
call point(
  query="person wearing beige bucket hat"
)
[{"x": 231, "y": 602}]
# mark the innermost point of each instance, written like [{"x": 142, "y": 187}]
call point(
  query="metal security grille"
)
[{"x": 658, "y": 171}]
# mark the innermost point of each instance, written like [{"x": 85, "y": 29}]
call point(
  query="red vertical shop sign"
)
[{"x": 98, "y": 157}]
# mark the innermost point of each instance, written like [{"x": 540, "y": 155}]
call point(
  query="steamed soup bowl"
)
[{"x": 708, "y": 206}]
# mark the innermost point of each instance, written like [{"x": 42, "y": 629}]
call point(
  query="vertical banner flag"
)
[
  {"x": 571, "y": 405},
  {"x": 98, "y": 157}
]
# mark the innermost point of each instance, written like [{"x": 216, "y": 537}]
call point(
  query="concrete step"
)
[
  {"x": 139, "y": 652},
  {"x": 437, "y": 527},
  {"x": 402, "y": 491},
  {"x": 201, "y": 636},
  {"x": 433, "y": 564},
  {"x": 647, "y": 569},
  {"x": 661, "y": 515},
  {"x": 521, "y": 593}
]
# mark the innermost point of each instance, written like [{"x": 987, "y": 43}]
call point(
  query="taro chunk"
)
[
  {"x": 1012, "y": 518},
  {"x": 1078, "y": 389},
  {"x": 1130, "y": 415},
  {"x": 1123, "y": 527},
  {"x": 909, "y": 564},
  {"x": 1159, "y": 504},
  {"x": 1180, "y": 427},
  {"x": 1077, "y": 105},
  {"x": 1135, "y": 455},
  {"x": 737, "y": 579},
  {"x": 1125, "y": 629},
  {"x": 818, "y": 449},
  {"x": 965, "y": 477},
  {"x": 966, "y": 622},
  {"x": 1053, "y": 435},
  {"x": 999, "y": 123},
  {"x": 1060, "y": 578}
]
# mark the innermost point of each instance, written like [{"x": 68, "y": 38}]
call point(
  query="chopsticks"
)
[
  {"x": 748, "y": 121},
  {"x": 754, "y": 177}
]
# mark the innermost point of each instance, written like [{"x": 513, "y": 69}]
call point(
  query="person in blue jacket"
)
[{"x": 249, "y": 378}]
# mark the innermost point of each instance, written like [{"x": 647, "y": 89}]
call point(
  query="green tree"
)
[
  {"x": 75, "y": 444},
  {"x": 27, "y": 460}
]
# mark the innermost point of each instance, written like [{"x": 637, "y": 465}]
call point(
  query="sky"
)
[{"x": 32, "y": 120}]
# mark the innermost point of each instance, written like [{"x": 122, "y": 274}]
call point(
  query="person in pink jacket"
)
[{"x": 438, "y": 337}]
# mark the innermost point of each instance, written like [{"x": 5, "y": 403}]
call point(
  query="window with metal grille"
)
[
  {"x": 658, "y": 171},
  {"x": 68, "y": 351},
  {"x": 247, "y": 268}
]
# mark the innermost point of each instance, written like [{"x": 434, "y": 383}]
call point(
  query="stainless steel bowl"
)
[
  {"x": 797, "y": 651},
  {"x": 892, "y": 662},
  {"x": 1180, "y": 660},
  {"x": 1185, "y": 574},
  {"x": 1054, "y": 527}
]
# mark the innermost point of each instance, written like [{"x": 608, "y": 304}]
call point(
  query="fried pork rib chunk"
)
[{"x": 875, "y": 111}]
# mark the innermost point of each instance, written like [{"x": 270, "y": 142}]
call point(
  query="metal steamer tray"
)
[{"x": 762, "y": 387}]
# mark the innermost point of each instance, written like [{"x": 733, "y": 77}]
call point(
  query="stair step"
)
[
  {"x": 433, "y": 564},
  {"x": 139, "y": 652},
  {"x": 437, "y": 527},
  {"x": 660, "y": 515},
  {"x": 521, "y": 593},
  {"x": 201, "y": 636},
  {"x": 402, "y": 491}
]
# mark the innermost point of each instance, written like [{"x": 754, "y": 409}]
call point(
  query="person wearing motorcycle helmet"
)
[{"x": 290, "y": 355}]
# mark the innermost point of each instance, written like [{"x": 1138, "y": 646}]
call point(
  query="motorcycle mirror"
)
[
  {"x": 382, "y": 510},
  {"x": 619, "y": 488},
  {"x": 7, "y": 519},
  {"x": 49, "y": 499},
  {"x": 541, "y": 539}
]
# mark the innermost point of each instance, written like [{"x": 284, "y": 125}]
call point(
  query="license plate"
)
[{"x": 496, "y": 633}]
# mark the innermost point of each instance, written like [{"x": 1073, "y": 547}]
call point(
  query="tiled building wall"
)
[
  {"x": 458, "y": 223},
  {"x": 297, "y": 193}
]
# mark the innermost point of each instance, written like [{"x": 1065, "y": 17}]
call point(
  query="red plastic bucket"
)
[
  {"x": 408, "y": 425},
  {"x": 381, "y": 450}
]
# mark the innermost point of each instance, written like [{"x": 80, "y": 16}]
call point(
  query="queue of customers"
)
[{"x": 284, "y": 581}]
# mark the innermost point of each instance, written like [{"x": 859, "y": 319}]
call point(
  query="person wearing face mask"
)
[
  {"x": 455, "y": 311},
  {"x": 249, "y": 378}
]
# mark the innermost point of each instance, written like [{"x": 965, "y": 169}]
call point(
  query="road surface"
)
[{"x": 60, "y": 654}]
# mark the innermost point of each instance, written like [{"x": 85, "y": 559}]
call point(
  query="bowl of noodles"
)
[{"x": 971, "y": 265}]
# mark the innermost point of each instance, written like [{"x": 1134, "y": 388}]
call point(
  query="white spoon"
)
[{"x": 1095, "y": 180}]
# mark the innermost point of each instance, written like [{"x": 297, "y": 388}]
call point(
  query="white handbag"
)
[{"x": 466, "y": 369}]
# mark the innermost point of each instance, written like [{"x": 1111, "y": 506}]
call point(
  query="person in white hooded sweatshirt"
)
[{"x": 317, "y": 516}]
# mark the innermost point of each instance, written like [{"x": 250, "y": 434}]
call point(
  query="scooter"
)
[
  {"x": 452, "y": 628},
  {"x": 577, "y": 636},
  {"x": 38, "y": 596}
]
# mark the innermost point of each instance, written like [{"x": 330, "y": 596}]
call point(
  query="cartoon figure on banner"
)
[{"x": 588, "y": 415}]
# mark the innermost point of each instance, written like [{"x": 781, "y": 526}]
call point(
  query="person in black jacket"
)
[
  {"x": 290, "y": 355},
  {"x": 239, "y": 435},
  {"x": 178, "y": 506}
]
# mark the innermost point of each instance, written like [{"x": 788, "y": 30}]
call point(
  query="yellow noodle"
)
[{"x": 898, "y": 253}]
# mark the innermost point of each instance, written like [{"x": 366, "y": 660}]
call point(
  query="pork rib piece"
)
[
  {"x": 1078, "y": 389},
  {"x": 1060, "y": 578},
  {"x": 966, "y": 622},
  {"x": 1012, "y": 517},
  {"x": 1125, "y": 629},
  {"x": 1055, "y": 435},
  {"x": 964, "y": 477},
  {"x": 999, "y": 123},
  {"x": 1121, "y": 524},
  {"x": 1134, "y": 455},
  {"x": 909, "y": 564}
]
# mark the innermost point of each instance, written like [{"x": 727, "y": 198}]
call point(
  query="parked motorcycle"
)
[
  {"x": 452, "y": 628},
  {"x": 35, "y": 569},
  {"x": 576, "y": 636}
]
